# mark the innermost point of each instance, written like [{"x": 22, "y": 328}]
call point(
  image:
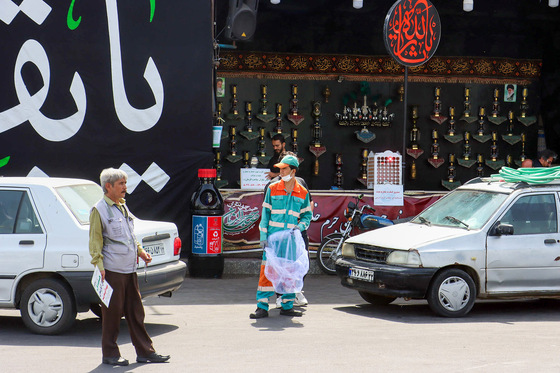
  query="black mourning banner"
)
[{"x": 91, "y": 84}]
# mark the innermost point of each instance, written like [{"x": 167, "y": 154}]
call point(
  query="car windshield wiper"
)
[
  {"x": 456, "y": 221},
  {"x": 424, "y": 221}
]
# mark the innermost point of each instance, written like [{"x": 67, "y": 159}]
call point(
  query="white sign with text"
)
[
  {"x": 254, "y": 178},
  {"x": 388, "y": 195}
]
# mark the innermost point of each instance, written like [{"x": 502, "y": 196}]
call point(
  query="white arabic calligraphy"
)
[
  {"x": 132, "y": 118},
  {"x": 29, "y": 107},
  {"x": 37, "y": 10}
]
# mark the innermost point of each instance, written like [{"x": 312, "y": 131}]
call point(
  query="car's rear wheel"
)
[
  {"x": 47, "y": 307},
  {"x": 376, "y": 300},
  {"x": 452, "y": 293}
]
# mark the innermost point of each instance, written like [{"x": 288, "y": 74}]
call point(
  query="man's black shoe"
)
[
  {"x": 291, "y": 312},
  {"x": 153, "y": 358},
  {"x": 259, "y": 314},
  {"x": 115, "y": 361}
]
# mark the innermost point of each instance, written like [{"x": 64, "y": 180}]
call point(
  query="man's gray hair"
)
[{"x": 111, "y": 175}]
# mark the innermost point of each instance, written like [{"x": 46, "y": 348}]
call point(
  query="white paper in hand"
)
[{"x": 102, "y": 288}]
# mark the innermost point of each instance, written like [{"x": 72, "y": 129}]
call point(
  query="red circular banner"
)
[{"x": 412, "y": 31}]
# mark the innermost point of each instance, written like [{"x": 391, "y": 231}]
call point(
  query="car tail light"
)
[{"x": 177, "y": 246}]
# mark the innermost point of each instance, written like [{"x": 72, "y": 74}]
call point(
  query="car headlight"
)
[
  {"x": 348, "y": 250},
  {"x": 409, "y": 258}
]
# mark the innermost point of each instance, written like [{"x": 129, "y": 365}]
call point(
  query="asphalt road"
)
[{"x": 205, "y": 327}]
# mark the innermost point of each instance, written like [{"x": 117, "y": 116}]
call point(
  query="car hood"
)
[{"x": 407, "y": 236}]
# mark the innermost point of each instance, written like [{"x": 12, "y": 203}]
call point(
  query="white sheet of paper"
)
[{"x": 102, "y": 288}]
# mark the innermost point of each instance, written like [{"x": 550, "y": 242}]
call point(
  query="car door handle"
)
[
  {"x": 549, "y": 240},
  {"x": 27, "y": 242}
]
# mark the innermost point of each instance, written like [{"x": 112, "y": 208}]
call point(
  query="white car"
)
[
  {"x": 45, "y": 268},
  {"x": 486, "y": 239}
]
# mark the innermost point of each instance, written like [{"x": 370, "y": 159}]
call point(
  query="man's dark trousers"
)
[{"x": 126, "y": 300}]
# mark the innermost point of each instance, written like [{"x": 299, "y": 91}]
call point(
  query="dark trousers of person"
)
[{"x": 126, "y": 300}]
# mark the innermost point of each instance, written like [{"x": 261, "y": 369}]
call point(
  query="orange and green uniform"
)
[{"x": 281, "y": 211}]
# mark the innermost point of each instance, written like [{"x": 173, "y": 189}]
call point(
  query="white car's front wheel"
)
[
  {"x": 452, "y": 293},
  {"x": 47, "y": 307}
]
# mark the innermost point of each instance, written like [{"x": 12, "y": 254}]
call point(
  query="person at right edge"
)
[
  {"x": 285, "y": 202},
  {"x": 545, "y": 159}
]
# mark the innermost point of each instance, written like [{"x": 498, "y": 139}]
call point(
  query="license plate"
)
[
  {"x": 155, "y": 249},
  {"x": 361, "y": 274}
]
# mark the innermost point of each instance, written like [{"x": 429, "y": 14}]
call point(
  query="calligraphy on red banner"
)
[{"x": 412, "y": 31}]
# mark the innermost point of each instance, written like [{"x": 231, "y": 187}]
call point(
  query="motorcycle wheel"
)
[{"x": 325, "y": 260}]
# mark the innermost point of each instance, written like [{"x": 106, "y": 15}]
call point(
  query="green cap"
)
[{"x": 288, "y": 160}]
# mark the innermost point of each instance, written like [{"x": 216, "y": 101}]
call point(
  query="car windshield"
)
[
  {"x": 80, "y": 199},
  {"x": 468, "y": 209}
]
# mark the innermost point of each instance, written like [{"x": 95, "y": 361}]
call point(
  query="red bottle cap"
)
[{"x": 207, "y": 172}]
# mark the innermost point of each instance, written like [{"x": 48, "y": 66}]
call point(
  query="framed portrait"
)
[
  {"x": 220, "y": 87},
  {"x": 510, "y": 92}
]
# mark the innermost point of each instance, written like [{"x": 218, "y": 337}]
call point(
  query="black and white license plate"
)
[
  {"x": 155, "y": 249},
  {"x": 361, "y": 274}
]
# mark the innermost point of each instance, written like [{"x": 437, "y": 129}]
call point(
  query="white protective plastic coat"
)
[{"x": 286, "y": 261}]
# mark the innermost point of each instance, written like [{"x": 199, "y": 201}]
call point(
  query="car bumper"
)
[
  {"x": 161, "y": 279},
  {"x": 390, "y": 281}
]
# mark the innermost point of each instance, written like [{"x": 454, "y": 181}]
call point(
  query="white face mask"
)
[{"x": 287, "y": 178}]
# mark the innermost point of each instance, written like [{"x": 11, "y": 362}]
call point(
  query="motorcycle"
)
[{"x": 357, "y": 220}]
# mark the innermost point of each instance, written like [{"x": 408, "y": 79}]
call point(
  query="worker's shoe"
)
[
  {"x": 291, "y": 312},
  {"x": 259, "y": 314},
  {"x": 301, "y": 300},
  {"x": 118, "y": 360}
]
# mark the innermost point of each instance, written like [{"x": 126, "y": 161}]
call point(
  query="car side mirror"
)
[{"x": 502, "y": 229}]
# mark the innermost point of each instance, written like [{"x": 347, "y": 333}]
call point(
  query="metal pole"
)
[{"x": 405, "y": 119}]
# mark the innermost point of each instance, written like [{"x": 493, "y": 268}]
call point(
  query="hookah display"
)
[
  {"x": 466, "y": 160},
  {"x": 326, "y": 93},
  {"x": 246, "y": 159},
  {"x": 218, "y": 166},
  {"x": 364, "y": 167},
  {"x": 278, "y": 128},
  {"x": 494, "y": 163},
  {"x": 451, "y": 134},
  {"x": 234, "y": 112},
  {"x": 294, "y": 116},
  {"x": 480, "y": 135},
  {"x": 524, "y": 118},
  {"x": 509, "y": 161},
  {"x": 261, "y": 148},
  {"x": 294, "y": 140},
  {"x": 509, "y": 137},
  {"x": 451, "y": 183},
  {"x": 414, "y": 150},
  {"x": 467, "y": 105},
  {"x": 480, "y": 167},
  {"x": 436, "y": 115},
  {"x": 220, "y": 120},
  {"x": 233, "y": 157},
  {"x": 264, "y": 115},
  {"x": 435, "y": 160},
  {"x": 316, "y": 147},
  {"x": 495, "y": 116},
  {"x": 249, "y": 134},
  {"x": 522, "y": 157},
  {"x": 338, "y": 176}
]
